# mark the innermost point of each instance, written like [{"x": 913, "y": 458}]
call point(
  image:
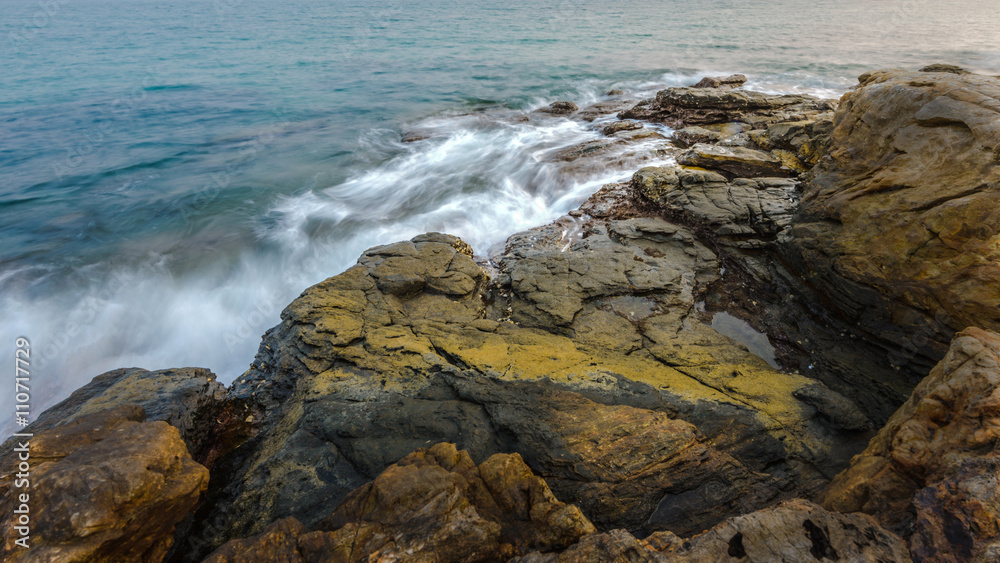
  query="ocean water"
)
[{"x": 174, "y": 172}]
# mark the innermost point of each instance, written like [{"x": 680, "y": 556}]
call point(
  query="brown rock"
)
[
  {"x": 618, "y": 546},
  {"x": 433, "y": 505},
  {"x": 559, "y": 108},
  {"x": 735, "y": 162},
  {"x": 796, "y": 530},
  {"x": 731, "y": 81},
  {"x": 681, "y": 107},
  {"x": 958, "y": 519},
  {"x": 107, "y": 487},
  {"x": 899, "y": 224},
  {"x": 619, "y": 126},
  {"x": 951, "y": 417}
]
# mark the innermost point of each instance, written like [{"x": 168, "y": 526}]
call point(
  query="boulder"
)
[
  {"x": 689, "y": 136},
  {"x": 795, "y": 530},
  {"x": 681, "y": 107},
  {"x": 899, "y": 224},
  {"x": 619, "y": 126},
  {"x": 743, "y": 213},
  {"x": 603, "y": 108},
  {"x": 433, "y": 505},
  {"x": 559, "y": 108},
  {"x": 950, "y": 420},
  {"x": 806, "y": 140},
  {"x": 106, "y": 487},
  {"x": 727, "y": 82},
  {"x": 735, "y": 162}
]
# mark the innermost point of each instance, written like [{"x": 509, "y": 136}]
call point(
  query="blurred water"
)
[{"x": 173, "y": 173}]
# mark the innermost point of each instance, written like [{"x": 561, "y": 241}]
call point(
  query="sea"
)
[{"x": 175, "y": 172}]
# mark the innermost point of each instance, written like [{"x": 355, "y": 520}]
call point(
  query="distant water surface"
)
[{"x": 174, "y": 172}]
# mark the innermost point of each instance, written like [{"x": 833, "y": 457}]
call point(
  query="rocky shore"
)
[{"x": 784, "y": 347}]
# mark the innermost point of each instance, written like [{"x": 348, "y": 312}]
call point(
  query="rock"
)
[
  {"x": 681, "y": 107},
  {"x": 186, "y": 398},
  {"x": 743, "y": 213},
  {"x": 559, "y": 108},
  {"x": 105, "y": 487},
  {"x": 944, "y": 68},
  {"x": 433, "y": 505},
  {"x": 587, "y": 149},
  {"x": 693, "y": 135},
  {"x": 899, "y": 223},
  {"x": 796, "y": 530},
  {"x": 727, "y": 82},
  {"x": 619, "y": 126},
  {"x": 806, "y": 140},
  {"x": 957, "y": 518},
  {"x": 617, "y": 545},
  {"x": 601, "y": 109},
  {"x": 950, "y": 419},
  {"x": 414, "y": 136},
  {"x": 615, "y": 93},
  {"x": 575, "y": 337},
  {"x": 736, "y": 162}
]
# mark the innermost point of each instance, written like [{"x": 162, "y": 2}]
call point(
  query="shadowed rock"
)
[
  {"x": 900, "y": 222},
  {"x": 433, "y": 505},
  {"x": 951, "y": 419}
]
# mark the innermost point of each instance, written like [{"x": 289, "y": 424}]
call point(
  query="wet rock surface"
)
[{"x": 106, "y": 487}]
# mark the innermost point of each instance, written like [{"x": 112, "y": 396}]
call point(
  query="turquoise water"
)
[{"x": 173, "y": 173}]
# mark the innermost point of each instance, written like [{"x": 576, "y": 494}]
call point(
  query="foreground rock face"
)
[
  {"x": 106, "y": 487},
  {"x": 433, "y": 505},
  {"x": 900, "y": 224},
  {"x": 950, "y": 422},
  {"x": 606, "y": 382},
  {"x": 793, "y": 531}
]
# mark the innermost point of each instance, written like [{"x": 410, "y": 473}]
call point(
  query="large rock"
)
[
  {"x": 731, "y": 81},
  {"x": 679, "y": 107},
  {"x": 899, "y": 224},
  {"x": 951, "y": 420},
  {"x": 433, "y": 505},
  {"x": 106, "y": 487},
  {"x": 736, "y": 162},
  {"x": 410, "y": 347},
  {"x": 745, "y": 213},
  {"x": 794, "y": 531}
]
